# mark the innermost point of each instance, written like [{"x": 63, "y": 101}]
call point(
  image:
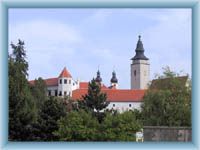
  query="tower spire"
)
[
  {"x": 98, "y": 78},
  {"x": 139, "y": 51}
]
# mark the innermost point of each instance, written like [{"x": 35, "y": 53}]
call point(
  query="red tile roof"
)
[
  {"x": 115, "y": 95},
  {"x": 65, "y": 73},
  {"x": 84, "y": 85},
  {"x": 49, "y": 82}
]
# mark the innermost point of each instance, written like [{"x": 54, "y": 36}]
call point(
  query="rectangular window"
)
[
  {"x": 113, "y": 105},
  {"x": 56, "y": 93},
  {"x": 49, "y": 92},
  {"x": 69, "y": 93},
  {"x": 129, "y": 105},
  {"x": 60, "y": 93},
  {"x": 60, "y": 81},
  {"x": 69, "y": 81},
  {"x": 65, "y": 81},
  {"x": 65, "y": 93}
]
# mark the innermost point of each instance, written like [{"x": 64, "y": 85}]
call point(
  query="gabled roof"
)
[
  {"x": 65, "y": 73},
  {"x": 49, "y": 82},
  {"x": 164, "y": 83},
  {"x": 84, "y": 85},
  {"x": 114, "y": 95}
]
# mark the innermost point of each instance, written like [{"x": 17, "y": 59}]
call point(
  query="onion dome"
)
[
  {"x": 114, "y": 78},
  {"x": 98, "y": 78},
  {"x": 139, "y": 51}
]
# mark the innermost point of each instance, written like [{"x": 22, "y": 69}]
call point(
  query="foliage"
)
[
  {"x": 22, "y": 108},
  {"x": 51, "y": 111},
  {"x": 95, "y": 101},
  {"x": 38, "y": 91},
  {"x": 82, "y": 126},
  {"x": 168, "y": 106},
  {"x": 77, "y": 126},
  {"x": 119, "y": 127}
]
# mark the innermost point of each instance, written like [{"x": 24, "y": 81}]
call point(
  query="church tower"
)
[{"x": 140, "y": 68}]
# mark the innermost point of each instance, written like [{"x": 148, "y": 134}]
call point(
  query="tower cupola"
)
[
  {"x": 139, "y": 51},
  {"x": 98, "y": 78},
  {"x": 114, "y": 78}
]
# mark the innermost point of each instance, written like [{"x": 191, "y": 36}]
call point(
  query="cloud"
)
[
  {"x": 169, "y": 41},
  {"x": 105, "y": 37},
  {"x": 46, "y": 42}
]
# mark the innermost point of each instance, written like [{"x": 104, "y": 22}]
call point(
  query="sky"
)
[{"x": 85, "y": 40}]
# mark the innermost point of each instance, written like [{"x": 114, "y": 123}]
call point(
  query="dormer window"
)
[{"x": 60, "y": 81}]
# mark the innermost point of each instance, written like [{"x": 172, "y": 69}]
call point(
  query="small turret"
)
[
  {"x": 113, "y": 80},
  {"x": 65, "y": 83}
]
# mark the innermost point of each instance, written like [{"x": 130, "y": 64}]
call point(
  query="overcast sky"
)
[{"x": 83, "y": 39}]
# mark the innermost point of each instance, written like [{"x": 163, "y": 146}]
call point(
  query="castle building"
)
[{"x": 120, "y": 99}]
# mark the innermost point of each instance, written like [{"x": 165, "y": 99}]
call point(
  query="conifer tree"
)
[
  {"x": 21, "y": 104},
  {"x": 94, "y": 101}
]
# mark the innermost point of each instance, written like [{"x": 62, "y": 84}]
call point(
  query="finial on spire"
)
[{"x": 139, "y": 37}]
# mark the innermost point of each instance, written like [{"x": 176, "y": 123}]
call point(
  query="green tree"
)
[
  {"x": 38, "y": 90},
  {"x": 94, "y": 101},
  {"x": 119, "y": 127},
  {"x": 77, "y": 126},
  {"x": 22, "y": 108},
  {"x": 51, "y": 111},
  {"x": 168, "y": 103}
]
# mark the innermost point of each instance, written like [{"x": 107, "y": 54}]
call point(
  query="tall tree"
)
[
  {"x": 21, "y": 104},
  {"x": 51, "y": 111},
  {"x": 168, "y": 101},
  {"x": 94, "y": 101},
  {"x": 77, "y": 126},
  {"x": 39, "y": 92}
]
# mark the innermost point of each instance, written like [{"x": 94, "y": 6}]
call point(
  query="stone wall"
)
[{"x": 162, "y": 133}]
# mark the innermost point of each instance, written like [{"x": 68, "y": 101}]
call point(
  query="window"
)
[
  {"x": 129, "y": 105},
  {"x": 134, "y": 72},
  {"x": 65, "y": 81},
  {"x": 49, "y": 92},
  {"x": 69, "y": 81},
  {"x": 60, "y": 93},
  {"x": 69, "y": 93},
  {"x": 65, "y": 93},
  {"x": 60, "y": 81},
  {"x": 113, "y": 105},
  {"x": 56, "y": 93}
]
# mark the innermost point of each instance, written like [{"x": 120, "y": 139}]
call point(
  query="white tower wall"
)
[
  {"x": 65, "y": 87},
  {"x": 140, "y": 72}
]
